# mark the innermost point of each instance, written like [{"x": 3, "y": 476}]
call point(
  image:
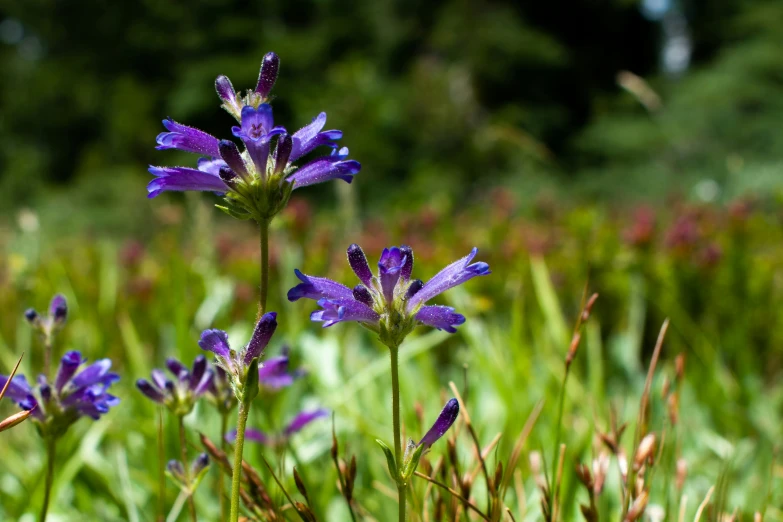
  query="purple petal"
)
[
  {"x": 263, "y": 332},
  {"x": 19, "y": 391},
  {"x": 159, "y": 378},
  {"x": 68, "y": 365},
  {"x": 363, "y": 295},
  {"x": 446, "y": 418},
  {"x": 182, "y": 179},
  {"x": 179, "y": 370},
  {"x": 250, "y": 434},
  {"x": 58, "y": 308},
  {"x": 317, "y": 288},
  {"x": 274, "y": 373},
  {"x": 455, "y": 274},
  {"x": 389, "y": 267},
  {"x": 440, "y": 317},
  {"x": 149, "y": 390},
  {"x": 304, "y": 136},
  {"x": 187, "y": 138},
  {"x": 359, "y": 264},
  {"x": 225, "y": 90},
  {"x": 233, "y": 158},
  {"x": 211, "y": 165},
  {"x": 282, "y": 153},
  {"x": 204, "y": 384},
  {"x": 338, "y": 310},
  {"x": 325, "y": 169},
  {"x": 215, "y": 341},
  {"x": 407, "y": 268},
  {"x": 92, "y": 374},
  {"x": 303, "y": 419},
  {"x": 199, "y": 368}
]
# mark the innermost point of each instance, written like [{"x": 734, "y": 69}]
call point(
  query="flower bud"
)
[
  {"x": 413, "y": 288},
  {"x": 444, "y": 421},
  {"x": 267, "y": 76},
  {"x": 645, "y": 451},
  {"x": 225, "y": 90},
  {"x": 407, "y": 268},
  {"x": 284, "y": 146},
  {"x": 230, "y": 154},
  {"x": 199, "y": 464},
  {"x": 58, "y": 309},
  {"x": 176, "y": 469},
  {"x": 361, "y": 294},
  {"x": 359, "y": 265},
  {"x": 31, "y": 315}
]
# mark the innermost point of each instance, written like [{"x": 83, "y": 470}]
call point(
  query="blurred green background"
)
[{"x": 632, "y": 145}]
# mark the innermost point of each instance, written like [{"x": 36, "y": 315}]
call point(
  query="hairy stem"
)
[
  {"x": 396, "y": 422},
  {"x": 183, "y": 448},
  {"x": 161, "y": 469},
  {"x": 51, "y": 450},
  {"x": 237, "y": 469},
  {"x": 221, "y": 476},
  {"x": 263, "y": 227}
]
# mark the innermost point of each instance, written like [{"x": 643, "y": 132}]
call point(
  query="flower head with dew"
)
[
  {"x": 390, "y": 303},
  {"x": 180, "y": 393},
  {"x": 256, "y": 182},
  {"x": 74, "y": 394},
  {"x": 298, "y": 423},
  {"x": 241, "y": 366}
]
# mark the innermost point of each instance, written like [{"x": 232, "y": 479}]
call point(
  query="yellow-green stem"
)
[
  {"x": 221, "y": 476},
  {"x": 51, "y": 451},
  {"x": 161, "y": 469},
  {"x": 237, "y": 469},
  {"x": 556, "y": 452},
  {"x": 185, "y": 464},
  {"x": 396, "y": 422}
]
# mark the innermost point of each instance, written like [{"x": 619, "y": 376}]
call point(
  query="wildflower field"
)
[{"x": 543, "y": 284}]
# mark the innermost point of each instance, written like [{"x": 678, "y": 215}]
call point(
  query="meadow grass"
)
[{"x": 139, "y": 303}]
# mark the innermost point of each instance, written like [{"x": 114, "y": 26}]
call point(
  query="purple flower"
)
[
  {"x": 74, "y": 394},
  {"x": 269, "y": 161},
  {"x": 236, "y": 362},
  {"x": 273, "y": 373},
  {"x": 390, "y": 303},
  {"x": 181, "y": 393},
  {"x": 446, "y": 418},
  {"x": 280, "y": 439}
]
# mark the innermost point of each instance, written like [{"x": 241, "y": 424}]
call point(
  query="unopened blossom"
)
[
  {"x": 77, "y": 391},
  {"x": 389, "y": 302},
  {"x": 256, "y": 180},
  {"x": 280, "y": 439},
  {"x": 53, "y": 320},
  {"x": 442, "y": 424},
  {"x": 236, "y": 362},
  {"x": 180, "y": 393},
  {"x": 176, "y": 469}
]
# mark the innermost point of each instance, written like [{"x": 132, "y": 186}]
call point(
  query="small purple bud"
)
[
  {"x": 230, "y": 154},
  {"x": 149, "y": 390},
  {"x": 175, "y": 468},
  {"x": 263, "y": 332},
  {"x": 283, "y": 152},
  {"x": 270, "y": 65},
  {"x": 58, "y": 309},
  {"x": 68, "y": 366},
  {"x": 414, "y": 287},
  {"x": 407, "y": 268},
  {"x": 199, "y": 367},
  {"x": 31, "y": 315},
  {"x": 363, "y": 295},
  {"x": 201, "y": 462},
  {"x": 46, "y": 392},
  {"x": 225, "y": 90},
  {"x": 228, "y": 176},
  {"x": 179, "y": 370},
  {"x": 358, "y": 262},
  {"x": 446, "y": 418}
]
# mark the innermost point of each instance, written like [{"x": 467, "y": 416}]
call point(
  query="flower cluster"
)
[
  {"x": 257, "y": 182},
  {"x": 390, "y": 303},
  {"x": 56, "y": 406},
  {"x": 181, "y": 394}
]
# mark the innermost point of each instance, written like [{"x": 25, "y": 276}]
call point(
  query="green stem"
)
[
  {"x": 221, "y": 476},
  {"x": 47, "y": 355},
  {"x": 185, "y": 464},
  {"x": 556, "y": 452},
  {"x": 237, "y": 470},
  {"x": 51, "y": 450},
  {"x": 161, "y": 469},
  {"x": 396, "y": 422},
  {"x": 263, "y": 226}
]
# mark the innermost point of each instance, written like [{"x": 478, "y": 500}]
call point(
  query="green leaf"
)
[
  {"x": 390, "y": 462},
  {"x": 235, "y": 213},
  {"x": 413, "y": 462},
  {"x": 251, "y": 382}
]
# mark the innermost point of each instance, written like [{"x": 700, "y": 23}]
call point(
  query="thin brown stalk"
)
[
  {"x": 10, "y": 377},
  {"x": 558, "y": 479},
  {"x": 703, "y": 504},
  {"x": 683, "y": 506},
  {"x": 520, "y": 443},
  {"x": 474, "y": 436},
  {"x": 455, "y": 494}
]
